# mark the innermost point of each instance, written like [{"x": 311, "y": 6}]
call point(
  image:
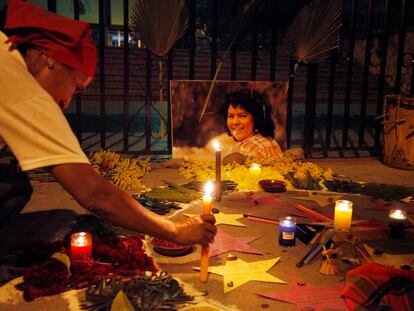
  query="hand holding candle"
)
[
  {"x": 218, "y": 170},
  {"x": 207, "y": 199},
  {"x": 343, "y": 215}
]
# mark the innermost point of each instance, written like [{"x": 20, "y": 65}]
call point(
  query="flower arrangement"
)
[
  {"x": 296, "y": 173},
  {"x": 124, "y": 173},
  {"x": 114, "y": 256}
]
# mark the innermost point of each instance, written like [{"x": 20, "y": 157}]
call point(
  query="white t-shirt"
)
[{"x": 31, "y": 122}]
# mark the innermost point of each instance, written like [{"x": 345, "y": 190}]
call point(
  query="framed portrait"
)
[{"x": 194, "y": 131}]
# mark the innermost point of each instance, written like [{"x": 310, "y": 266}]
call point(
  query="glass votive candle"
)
[
  {"x": 397, "y": 219},
  {"x": 287, "y": 231},
  {"x": 255, "y": 170},
  {"x": 80, "y": 246},
  {"x": 343, "y": 215}
]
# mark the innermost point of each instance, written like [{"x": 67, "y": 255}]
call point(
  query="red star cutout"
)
[
  {"x": 317, "y": 297},
  {"x": 224, "y": 242},
  {"x": 257, "y": 200}
]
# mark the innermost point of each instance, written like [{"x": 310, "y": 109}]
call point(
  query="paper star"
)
[
  {"x": 386, "y": 206},
  {"x": 257, "y": 200},
  {"x": 395, "y": 261},
  {"x": 322, "y": 200},
  {"x": 225, "y": 219},
  {"x": 224, "y": 242},
  {"x": 310, "y": 296},
  {"x": 236, "y": 272}
]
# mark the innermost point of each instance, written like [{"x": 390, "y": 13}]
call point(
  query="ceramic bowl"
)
[
  {"x": 168, "y": 248},
  {"x": 270, "y": 185}
]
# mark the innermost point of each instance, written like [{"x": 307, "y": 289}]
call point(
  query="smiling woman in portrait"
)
[{"x": 248, "y": 117}]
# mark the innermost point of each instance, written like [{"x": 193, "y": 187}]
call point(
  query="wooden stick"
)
[
  {"x": 261, "y": 219},
  {"x": 313, "y": 213}
]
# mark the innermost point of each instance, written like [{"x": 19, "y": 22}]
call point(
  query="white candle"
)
[
  {"x": 397, "y": 223},
  {"x": 218, "y": 170},
  {"x": 343, "y": 215},
  {"x": 255, "y": 170},
  {"x": 207, "y": 199},
  {"x": 398, "y": 214}
]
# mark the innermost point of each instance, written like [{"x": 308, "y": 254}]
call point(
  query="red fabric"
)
[
  {"x": 65, "y": 40},
  {"x": 373, "y": 285}
]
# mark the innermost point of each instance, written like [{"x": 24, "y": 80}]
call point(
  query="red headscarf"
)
[{"x": 65, "y": 40}]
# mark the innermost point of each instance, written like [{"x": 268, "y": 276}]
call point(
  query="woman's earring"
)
[{"x": 50, "y": 63}]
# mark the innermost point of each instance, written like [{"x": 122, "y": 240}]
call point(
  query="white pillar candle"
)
[
  {"x": 207, "y": 200},
  {"x": 343, "y": 215}
]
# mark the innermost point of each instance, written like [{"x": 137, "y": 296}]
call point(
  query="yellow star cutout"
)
[
  {"x": 225, "y": 219},
  {"x": 322, "y": 199},
  {"x": 395, "y": 261},
  {"x": 236, "y": 272}
]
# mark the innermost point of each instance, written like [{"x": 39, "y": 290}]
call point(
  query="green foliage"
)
[{"x": 147, "y": 292}]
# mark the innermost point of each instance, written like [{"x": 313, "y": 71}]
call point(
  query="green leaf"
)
[
  {"x": 63, "y": 258},
  {"x": 121, "y": 302}
]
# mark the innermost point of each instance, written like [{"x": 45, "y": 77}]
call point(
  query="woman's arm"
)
[{"x": 109, "y": 202}]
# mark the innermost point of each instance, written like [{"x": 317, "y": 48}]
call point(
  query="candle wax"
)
[
  {"x": 343, "y": 215},
  {"x": 287, "y": 232},
  {"x": 81, "y": 246},
  {"x": 207, "y": 199}
]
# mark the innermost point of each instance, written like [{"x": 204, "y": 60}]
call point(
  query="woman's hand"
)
[{"x": 199, "y": 229}]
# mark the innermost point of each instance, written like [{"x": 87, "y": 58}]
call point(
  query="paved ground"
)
[
  {"x": 51, "y": 209},
  {"x": 48, "y": 196}
]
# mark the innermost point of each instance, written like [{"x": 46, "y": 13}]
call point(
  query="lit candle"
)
[
  {"x": 397, "y": 219},
  {"x": 207, "y": 199},
  {"x": 255, "y": 170},
  {"x": 218, "y": 170},
  {"x": 343, "y": 215},
  {"x": 80, "y": 246},
  {"x": 287, "y": 231}
]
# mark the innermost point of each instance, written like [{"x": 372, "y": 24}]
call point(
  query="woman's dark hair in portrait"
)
[{"x": 254, "y": 103}]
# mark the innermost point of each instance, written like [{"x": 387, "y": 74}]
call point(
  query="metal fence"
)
[{"x": 331, "y": 106}]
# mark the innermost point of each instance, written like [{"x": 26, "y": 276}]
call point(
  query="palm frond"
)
[
  {"x": 315, "y": 31},
  {"x": 159, "y": 23},
  {"x": 244, "y": 15}
]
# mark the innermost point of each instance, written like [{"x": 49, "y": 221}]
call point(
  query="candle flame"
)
[
  {"x": 208, "y": 188},
  {"x": 216, "y": 145},
  {"x": 81, "y": 239},
  {"x": 397, "y": 214},
  {"x": 255, "y": 166},
  {"x": 343, "y": 205}
]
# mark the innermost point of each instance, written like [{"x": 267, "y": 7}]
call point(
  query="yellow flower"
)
[
  {"x": 124, "y": 173},
  {"x": 284, "y": 170}
]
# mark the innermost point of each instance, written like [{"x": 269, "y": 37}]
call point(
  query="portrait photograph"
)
[{"x": 195, "y": 124}]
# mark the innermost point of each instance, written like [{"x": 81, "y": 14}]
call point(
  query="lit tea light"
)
[
  {"x": 207, "y": 200},
  {"x": 343, "y": 215},
  {"x": 218, "y": 170},
  {"x": 255, "y": 170},
  {"x": 287, "y": 231},
  {"x": 397, "y": 219},
  {"x": 80, "y": 246}
]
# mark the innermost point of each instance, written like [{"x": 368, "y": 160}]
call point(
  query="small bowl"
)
[
  {"x": 270, "y": 185},
  {"x": 168, "y": 248}
]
